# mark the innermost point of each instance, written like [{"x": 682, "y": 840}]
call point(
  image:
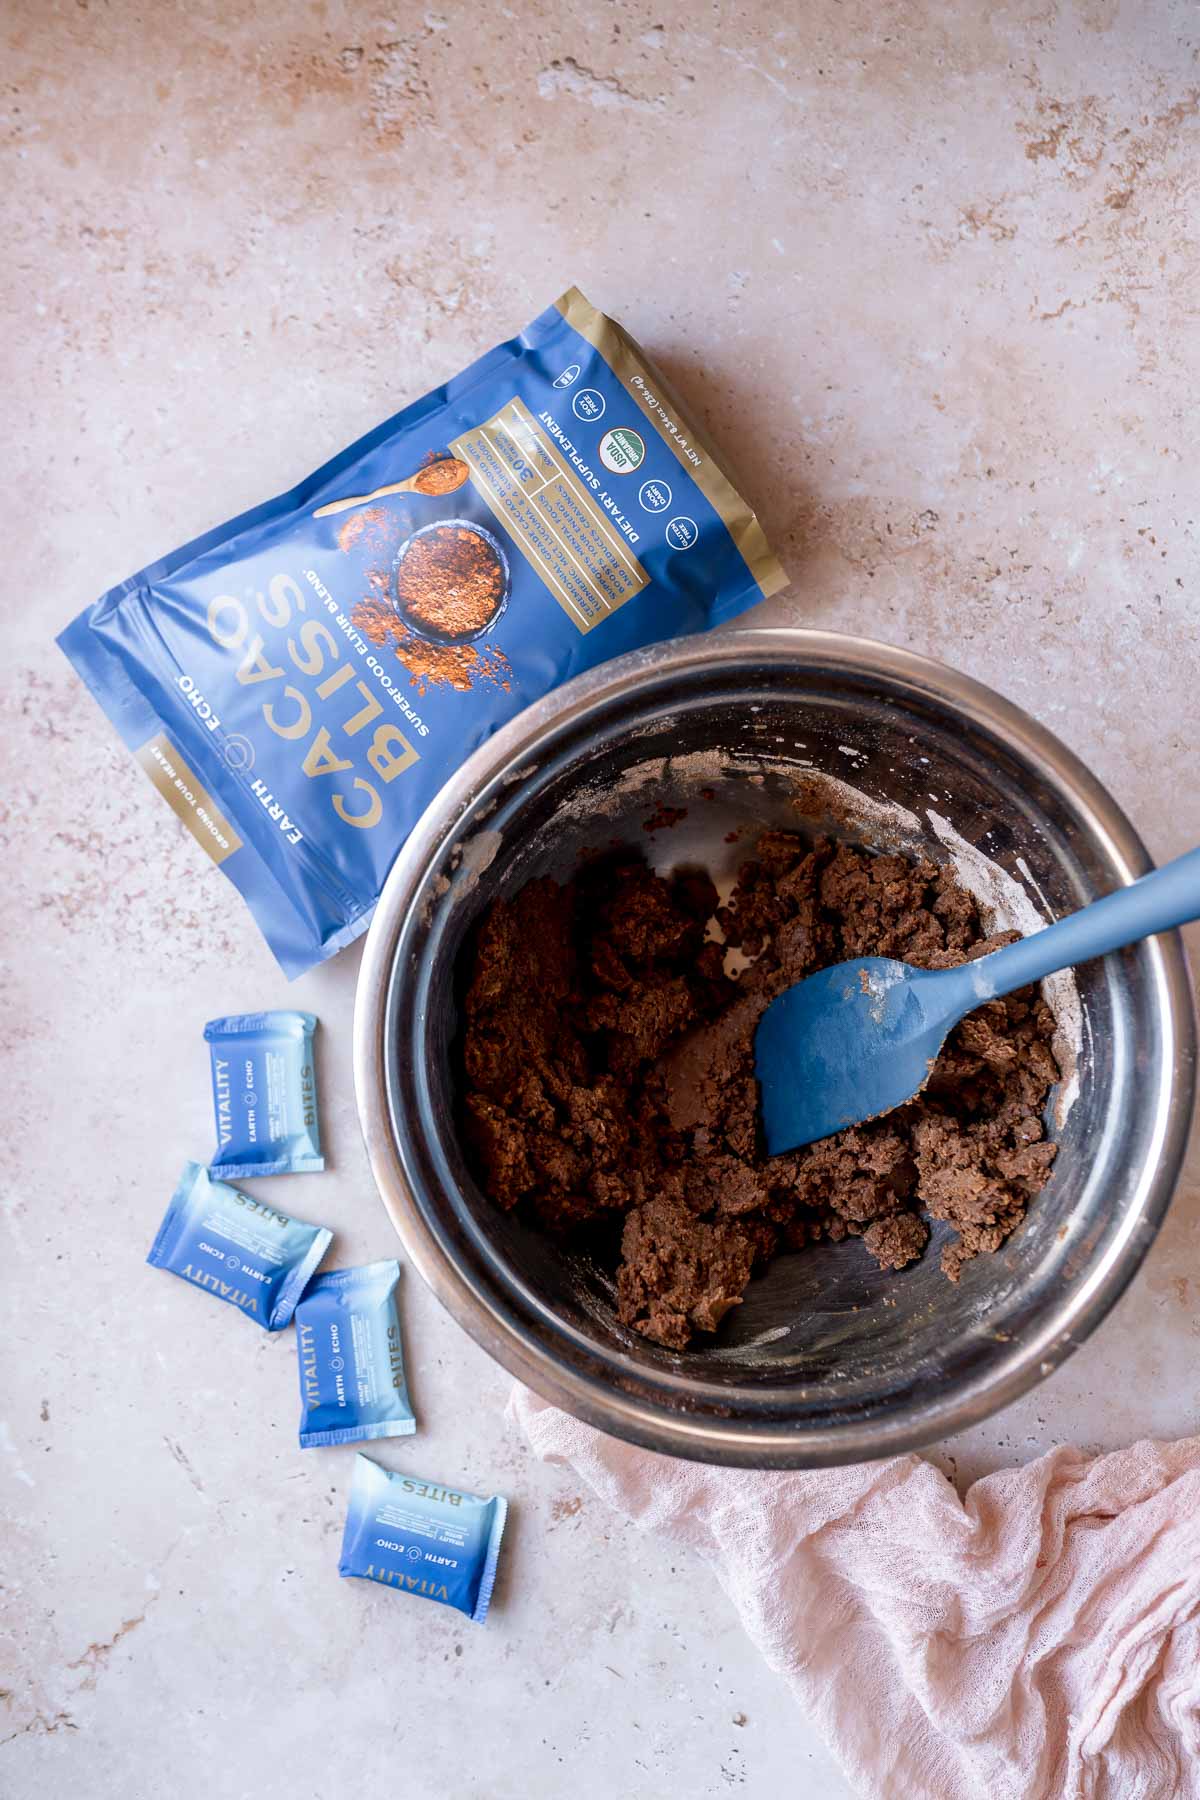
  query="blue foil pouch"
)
[
  {"x": 352, "y": 1382},
  {"x": 422, "y": 1539},
  {"x": 264, "y": 1085},
  {"x": 241, "y": 1250},
  {"x": 299, "y": 682}
]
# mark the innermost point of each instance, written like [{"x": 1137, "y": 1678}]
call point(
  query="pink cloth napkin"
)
[{"x": 1039, "y": 1639}]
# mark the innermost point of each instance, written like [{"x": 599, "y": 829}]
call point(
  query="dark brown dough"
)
[{"x": 609, "y": 1075}]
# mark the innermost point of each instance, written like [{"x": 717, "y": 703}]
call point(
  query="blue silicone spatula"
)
[{"x": 858, "y": 1039}]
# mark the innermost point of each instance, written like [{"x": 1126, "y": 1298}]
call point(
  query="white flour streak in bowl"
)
[{"x": 744, "y": 1352}]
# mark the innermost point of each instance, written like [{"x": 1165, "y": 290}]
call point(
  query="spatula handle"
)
[{"x": 1166, "y": 897}]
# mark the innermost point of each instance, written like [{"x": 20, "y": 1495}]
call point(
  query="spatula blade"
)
[{"x": 845, "y": 1045}]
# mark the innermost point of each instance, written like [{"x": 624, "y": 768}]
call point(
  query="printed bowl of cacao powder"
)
[{"x": 451, "y": 581}]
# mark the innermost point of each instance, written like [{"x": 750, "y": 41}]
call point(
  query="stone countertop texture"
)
[{"x": 928, "y": 273}]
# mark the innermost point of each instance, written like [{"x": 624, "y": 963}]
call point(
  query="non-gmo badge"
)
[{"x": 622, "y": 450}]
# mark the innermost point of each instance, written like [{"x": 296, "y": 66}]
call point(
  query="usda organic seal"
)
[{"x": 622, "y": 450}]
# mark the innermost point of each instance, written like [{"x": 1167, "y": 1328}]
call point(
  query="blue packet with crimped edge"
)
[
  {"x": 273, "y": 677},
  {"x": 422, "y": 1538},
  {"x": 351, "y": 1358},
  {"x": 241, "y": 1250},
  {"x": 264, "y": 1085}
]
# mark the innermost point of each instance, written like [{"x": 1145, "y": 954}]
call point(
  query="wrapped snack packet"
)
[
  {"x": 245, "y": 1253},
  {"x": 423, "y": 1539},
  {"x": 352, "y": 1382},
  {"x": 299, "y": 682},
  {"x": 264, "y": 1094}
]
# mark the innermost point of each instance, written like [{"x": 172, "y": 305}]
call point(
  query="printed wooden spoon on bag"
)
[{"x": 445, "y": 476}]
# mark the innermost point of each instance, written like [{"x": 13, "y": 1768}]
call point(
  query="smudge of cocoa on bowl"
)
[
  {"x": 451, "y": 581},
  {"x": 444, "y": 475},
  {"x": 429, "y": 665},
  {"x": 664, "y": 817},
  {"x": 609, "y": 1065}
]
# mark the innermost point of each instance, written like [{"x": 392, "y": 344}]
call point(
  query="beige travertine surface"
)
[{"x": 929, "y": 272}]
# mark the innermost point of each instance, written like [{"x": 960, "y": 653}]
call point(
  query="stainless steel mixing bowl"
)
[{"x": 828, "y": 1360}]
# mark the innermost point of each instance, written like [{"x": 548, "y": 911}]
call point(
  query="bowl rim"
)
[{"x": 630, "y": 1416}]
